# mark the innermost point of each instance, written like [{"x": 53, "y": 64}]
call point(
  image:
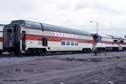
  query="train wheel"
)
[
  {"x": 29, "y": 52},
  {"x": 37, "y": 52},
  {"x": 41, "y": 52}
]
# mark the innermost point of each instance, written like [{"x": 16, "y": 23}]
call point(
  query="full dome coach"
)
[{"x": 22, "y": 36}]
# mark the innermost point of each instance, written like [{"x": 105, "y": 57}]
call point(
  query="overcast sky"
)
[{"x": 110, "y": 14}]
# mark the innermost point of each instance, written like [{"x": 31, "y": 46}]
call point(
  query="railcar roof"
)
[
  {"x": 1, "y": 24},
  {"x": 64, "y": 29},
  {"x": 118, "y": 38},
  {"x": 57, "y": 28}
]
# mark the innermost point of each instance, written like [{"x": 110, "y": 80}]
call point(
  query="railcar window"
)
[
  {"x": 121, "y": 41},
  {"x": 68, "y": 43},
  {"x": 76, "y": 43},
  {"x": 18, "y": 22},
  {"x": 63, "y": 42},
  {"x": 9, "y": 32},
  {"x": 72, "y": 43},
  {"x": 33, "y": 25},
  {"x": 115, "y": 41}
]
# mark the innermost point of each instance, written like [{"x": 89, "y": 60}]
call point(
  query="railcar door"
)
[
  {"x": 45, "y": 42},
  {"x": 11, "y": 38},
  {"x": 23, "y": 40}
]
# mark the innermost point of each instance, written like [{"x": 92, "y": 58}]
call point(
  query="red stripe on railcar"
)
[
  {"x": 1, "y": 39},
  {"x": 50, "y": 38}
]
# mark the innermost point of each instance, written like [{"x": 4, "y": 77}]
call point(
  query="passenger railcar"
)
[
  {"x": 1, "y": 38},
  {"x": 29, "y": 37},
  {"x": 111, "y": 44}
]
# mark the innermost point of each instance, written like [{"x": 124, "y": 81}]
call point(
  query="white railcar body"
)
[
  {"x": 51, "y": 38},
  {"x": 24, "y": 36},
  {"x": 1, "y": 37}
]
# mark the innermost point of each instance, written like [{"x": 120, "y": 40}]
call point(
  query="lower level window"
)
[
  {"x": 68, "y": 43},
  {"x": 72, "y": 43},
  {"x": 76, "y": 43},
  {"x": 63, "y": 42}
]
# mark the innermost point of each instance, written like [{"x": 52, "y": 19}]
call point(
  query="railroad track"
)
[
  {"x": 71, "y": 54},
  {"x": 70, "y": 57}
]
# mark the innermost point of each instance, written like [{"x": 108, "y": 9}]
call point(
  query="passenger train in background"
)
[
  {"x": 27, "y": 37},
  {"x": 1, "y": 38},
  {"x": 111, "y": 43}
]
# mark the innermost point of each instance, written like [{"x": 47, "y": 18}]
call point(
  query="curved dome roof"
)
[{"x": 49, "y": 27}]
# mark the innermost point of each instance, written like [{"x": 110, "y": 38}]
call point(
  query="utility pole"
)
[
  {"x": 96, "y": 37},
  {"x": 96, "y": 26}
]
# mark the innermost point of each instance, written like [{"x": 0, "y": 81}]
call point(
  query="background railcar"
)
[
  {"x": 1, "y": 38},
  {"x": 123, "y": 43},
  {"x": 110, "y": 44},
  {"x": 29, "y": 37}
]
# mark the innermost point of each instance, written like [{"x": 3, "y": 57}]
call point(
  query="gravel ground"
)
[{"x": 62, "y": 71}]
